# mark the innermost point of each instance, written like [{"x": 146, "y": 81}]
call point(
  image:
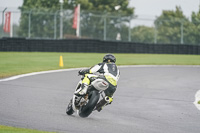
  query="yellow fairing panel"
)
[{"x": 111, "y": 80}]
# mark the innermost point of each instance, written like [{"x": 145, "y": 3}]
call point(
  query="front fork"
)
[
  {"x": 78, "y": 101},
  {"x": 75, "y": 97}
]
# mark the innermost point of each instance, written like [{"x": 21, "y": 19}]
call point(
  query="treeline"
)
[
  {"x": 171, "y": 27},
  {"x": 101, "y": 20}
]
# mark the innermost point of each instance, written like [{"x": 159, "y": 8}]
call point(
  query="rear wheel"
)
[
  {"x": 87, "y": 109},
  {"x": 69, "y": 109}
]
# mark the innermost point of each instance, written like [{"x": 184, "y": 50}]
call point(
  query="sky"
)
[
  {"x": 154, "y": 7},
  {"x": 143, "y": 8}
]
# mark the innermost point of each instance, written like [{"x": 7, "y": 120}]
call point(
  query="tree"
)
[
  {"x": 104, "y": 6},
  {"x": 193, "y": 34},
  {"x": 142, "y": 34},
  {"x": 170, "y": 26},
  {"x": 100, "y": 20},
  {"x": 40, "y": 18}
]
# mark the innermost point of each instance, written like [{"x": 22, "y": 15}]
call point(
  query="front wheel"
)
[
  {"x": 69, "y": 109},
  {"x": 87, "y": 109}
]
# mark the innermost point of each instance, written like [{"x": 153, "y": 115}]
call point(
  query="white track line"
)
[
  {"x": 197, "y": 99},
  {"x": 72, "y": 69},
  {"x": 36, "y": 73}
]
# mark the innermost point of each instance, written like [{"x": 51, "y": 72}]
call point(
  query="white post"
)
[
  {"x": 78, "y": 22},
  {"x": 61, "y": 18},
  {"x": 3, "y": 21},
  {"x": 11, "y": 25},
  {"x": 182, "y": 32}
]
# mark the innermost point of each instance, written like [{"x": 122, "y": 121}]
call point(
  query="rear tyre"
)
[
  {"x": 69, "y": 109},
  {"x": 87, "y": 109}
]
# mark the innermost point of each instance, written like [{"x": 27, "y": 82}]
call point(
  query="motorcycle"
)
[{"x": 91, "y": 101}]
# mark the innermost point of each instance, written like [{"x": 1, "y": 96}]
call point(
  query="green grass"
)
[
  {"x": 8, "y": 129},
  {"x": 14, "y": 63}
]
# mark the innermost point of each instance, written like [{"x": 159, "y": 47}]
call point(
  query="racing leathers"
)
[{"x": 107, "y": 71}]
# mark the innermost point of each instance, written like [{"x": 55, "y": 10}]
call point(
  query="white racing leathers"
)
[{"x": 110, "y": 73}]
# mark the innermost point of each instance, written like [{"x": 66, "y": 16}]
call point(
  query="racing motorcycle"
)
[{"x": 94, "y": 99}]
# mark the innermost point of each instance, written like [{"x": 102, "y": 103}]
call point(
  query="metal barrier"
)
[
  {"x": 45, "y": 24},
  {"x": 95, "y": 46}
]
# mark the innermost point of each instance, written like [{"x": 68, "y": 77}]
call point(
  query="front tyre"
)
[
  {"x": 69, "y": 109},
  {"x": 87, "y": 109}
]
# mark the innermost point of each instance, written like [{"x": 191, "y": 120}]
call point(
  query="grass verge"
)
[
  {"x": 15, "y": 63},
  {"x": 8, "y": 129}
]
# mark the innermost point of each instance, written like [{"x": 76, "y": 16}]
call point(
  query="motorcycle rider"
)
[{"x": 106, "y": 70}]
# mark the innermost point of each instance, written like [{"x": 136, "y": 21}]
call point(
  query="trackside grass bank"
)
[
  {"x": 7, "y": 129},
  {"x": 15, "y": 63}
]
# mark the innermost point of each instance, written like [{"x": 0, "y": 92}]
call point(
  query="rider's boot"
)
[{"x": 82, "y": 91}]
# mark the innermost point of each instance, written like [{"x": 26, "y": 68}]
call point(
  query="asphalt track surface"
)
[{"x": 148, "y": 100}]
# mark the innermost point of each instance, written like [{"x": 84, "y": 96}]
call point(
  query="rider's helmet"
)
[{"x": 109, "y": 57}]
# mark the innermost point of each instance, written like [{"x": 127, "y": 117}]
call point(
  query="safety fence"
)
[
  {"x": 49, "y": 24},
  {"x": 95, "y": 46}
]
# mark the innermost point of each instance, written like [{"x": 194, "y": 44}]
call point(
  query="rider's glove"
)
[
  {"x": 83, "y": 71},
  {"x": 80, "y": 72}
]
